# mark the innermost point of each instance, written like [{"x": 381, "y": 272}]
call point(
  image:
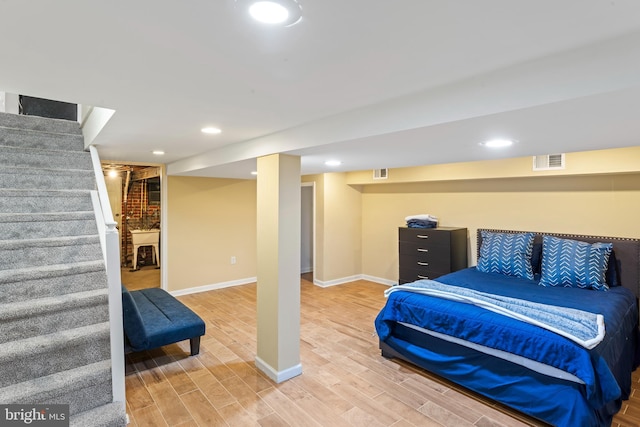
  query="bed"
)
[{"x": 546, "y": 324}]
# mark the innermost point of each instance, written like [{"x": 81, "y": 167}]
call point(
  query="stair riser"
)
[
  {"x": 78, "y": 400},
  {"x": 40, "y": 140},
  {"x": 40, "y": 230},
  {"x": 110, "y": 415},
  {"x": 25, "y": 203},
  {"x": 15, "y": 157},
  {"x": 39, "y": 256},
  {"x": 46, "y": 287},
  {"x": 80, "y": 391},
  {"x": 67, "y": 355},
  {"x": 39, "y": 123},
  {"x": 72, "y": 316},
  {"x": 44, "y": 180}
]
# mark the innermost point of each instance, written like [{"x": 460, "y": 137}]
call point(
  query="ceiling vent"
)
[
  {"x": 381, "y": 173},
  {"x": 548, "y": 162}
]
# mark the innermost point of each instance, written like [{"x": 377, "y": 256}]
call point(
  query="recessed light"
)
[
  {"x": 268, "y": 12},
  {"x": 283, "y": 12},
  {"x": 333, "y": 163},
  {"x": 113, "y": 173},
  {"x": 211, "y": 130},
  {"x": 254, "y": 172},
  {"x": 498, "y": 143},
  {"x": 158, "y": 152}
]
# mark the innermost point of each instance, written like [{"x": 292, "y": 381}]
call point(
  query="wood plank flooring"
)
[{"x": 345, "y": 380}]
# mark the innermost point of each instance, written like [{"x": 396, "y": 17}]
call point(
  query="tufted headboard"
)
[{"x": 627, "y": 253}]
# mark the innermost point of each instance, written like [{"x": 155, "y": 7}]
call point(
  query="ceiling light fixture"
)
[
  {"x": 211, "y": 130},
  {"x": 158, "y": 152},
  {"x": 113, "y": 173},
  {"x": 274, "y": 12},
  {"x": 498, "y": 143},
  {"x": 333, "y": 163}
]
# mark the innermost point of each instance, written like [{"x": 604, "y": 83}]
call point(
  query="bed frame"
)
[{"x": 627, "y": 252}]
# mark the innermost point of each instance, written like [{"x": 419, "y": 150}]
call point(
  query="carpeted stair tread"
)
[
  {"x": 18, "y": 254},
  {"x": 47, "y": 216},
  {"x": 42, "y": 225},
  {"x": 43, "y": 201},
  {"x": 30, "y": 358},
  {"x": 46, "y": 178},
  {"x": 50, "y": 271},
  {"x": 41, "y": 316},
  {"x": 44, "y": 287},
  {"x": 39, "y": 158},
  {"x": 62, "y": 387},
  {"x": 49, "y": 242},
  {"x": 110, "y": 415},
  {"x": 15, "y": 121},
  {"x": 41, "y": 140}
]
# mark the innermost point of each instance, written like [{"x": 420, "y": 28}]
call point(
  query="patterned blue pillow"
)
[
  {"x": 506, "y": 253},
  {"x": 571, "y": 263}
]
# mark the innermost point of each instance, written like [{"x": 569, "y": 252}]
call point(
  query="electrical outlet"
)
[{"x": 233, "y": 260}]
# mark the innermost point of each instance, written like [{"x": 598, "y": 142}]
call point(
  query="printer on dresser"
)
[{"x": 427, "y": 253}]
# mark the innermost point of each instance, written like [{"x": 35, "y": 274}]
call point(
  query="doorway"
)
[
  {"x": 307, "y": 231},
  {"x": 134, "y": 195}
]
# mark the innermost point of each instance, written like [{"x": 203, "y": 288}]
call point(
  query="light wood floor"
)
[
  {"x": 145, "y": 277},
  {"x": 345, "y": 380}
]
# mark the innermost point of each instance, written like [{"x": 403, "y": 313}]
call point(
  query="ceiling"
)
[{"x": 372, "y": 83}]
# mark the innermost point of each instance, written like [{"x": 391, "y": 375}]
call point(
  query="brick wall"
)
[{"x": 139, "y": 214}]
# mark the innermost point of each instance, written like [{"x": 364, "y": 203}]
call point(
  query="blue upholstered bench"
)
[{"x": 153, "y": 318}]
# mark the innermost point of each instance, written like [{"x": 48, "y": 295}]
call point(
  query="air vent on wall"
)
[
  {"x": 548, "y": 162},
  {"x": 380, "y": 173}
]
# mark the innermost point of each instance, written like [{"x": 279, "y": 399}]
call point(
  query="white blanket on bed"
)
[{"x": 582, "y": 327}]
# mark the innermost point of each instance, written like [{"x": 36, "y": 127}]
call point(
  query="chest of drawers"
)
[{"x": 427, "y": 253}]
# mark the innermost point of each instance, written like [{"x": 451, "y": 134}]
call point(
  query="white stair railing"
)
[{"x": 110, "y": 241}]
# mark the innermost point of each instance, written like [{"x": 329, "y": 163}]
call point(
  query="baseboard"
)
[
  {"x": 213, "y": 287},
  {"x": 278, "y": 376},
  {"x": 248, "y": 280},
  {"x": 336, "y": 282},
  {"x": 379, "y": 280},
  {"x": 353, "y": 278}
]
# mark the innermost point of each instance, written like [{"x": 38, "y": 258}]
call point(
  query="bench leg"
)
[{"x": 195, "y": 345}]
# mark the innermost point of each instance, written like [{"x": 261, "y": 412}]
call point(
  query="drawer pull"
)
[
  {"x": 423, "y": 263},
  {"x": 421, "y": 236},
  {"x": 423, "y": 250},
  {"x": 422, "y": 277}
]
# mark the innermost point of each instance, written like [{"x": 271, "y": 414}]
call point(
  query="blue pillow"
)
[
  {"x": 575, "y": 264},
  {"x": 506, "y": 253}
]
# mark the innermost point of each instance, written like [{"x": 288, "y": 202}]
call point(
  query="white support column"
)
[{"x": 278, "y": 241}]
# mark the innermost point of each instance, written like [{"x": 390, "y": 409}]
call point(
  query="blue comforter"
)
[{"x": 604, "y": 369}]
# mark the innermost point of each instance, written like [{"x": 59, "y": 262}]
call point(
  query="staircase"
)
[{"x": 54, "y": 314}]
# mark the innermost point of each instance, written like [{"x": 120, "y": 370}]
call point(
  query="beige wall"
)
[
  {"x": 338, "y": 228},
  {"x": 342, "y": 233},
  {"x": 620, "y": 160},
  {"x": 598, "y": 205},
  {"x": 208, "y": 221},
  {"x": 356, "y": 222}
]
